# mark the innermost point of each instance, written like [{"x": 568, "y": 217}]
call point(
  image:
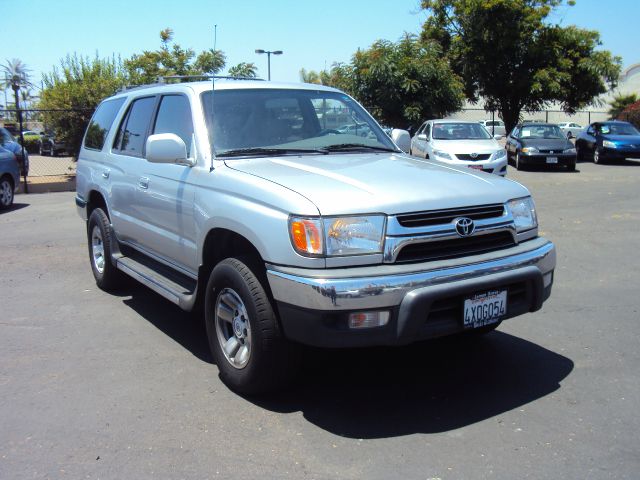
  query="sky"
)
[{"x": 312, "y": 34}]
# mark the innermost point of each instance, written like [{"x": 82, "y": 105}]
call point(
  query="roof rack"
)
[{"x": 162, "y": 80}]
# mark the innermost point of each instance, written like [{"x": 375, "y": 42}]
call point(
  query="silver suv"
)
[{"x": 252, "y": 200}]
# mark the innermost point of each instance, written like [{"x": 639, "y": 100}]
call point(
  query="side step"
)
[{"x": 172, "y": 285}]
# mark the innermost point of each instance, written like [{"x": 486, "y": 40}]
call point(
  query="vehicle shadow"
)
[
  {"x": 428, "y": 387},
  {"x": 14, "y": 207}
]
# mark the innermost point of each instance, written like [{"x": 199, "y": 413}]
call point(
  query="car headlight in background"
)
[
  {"x": 337, "y": 236},
  {"x": 500, "y": 153},
  {"x": 570, "y": 150},
  {"x": 523, "y": 211},
  {"x": 529, "y": 150},
  {"x": 609, "y": 144},
  {"x": 441, "y": 154}
]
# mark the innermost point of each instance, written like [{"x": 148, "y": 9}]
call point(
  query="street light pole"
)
[{"x": 269, "y": 52}]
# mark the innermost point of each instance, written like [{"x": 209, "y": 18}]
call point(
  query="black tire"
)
[
  {"x": 579, "y": 154},
  {"x": 571, "y": 167},
  {"x": 99, "y": 236},
  {"x": 6, "y": 192},
  {"x": 596, "y": 156},
  {"x": 517, "y": 163},
  {"x": 234, "y": 291},
  {"x": 53, "y": 151},
  {"x": 43, "y": 152}
]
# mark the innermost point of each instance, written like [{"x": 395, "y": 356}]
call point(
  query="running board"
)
[{"x": 172, "y": 285}]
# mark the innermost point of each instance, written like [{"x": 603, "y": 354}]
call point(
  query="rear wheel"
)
[
  {"x": 244, "y": 337},
  {"x": 6, "y": 192},
  {"x": 99, "y": 235},
  {"x": 596, "y": 156}
]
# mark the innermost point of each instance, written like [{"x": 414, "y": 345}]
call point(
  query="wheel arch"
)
[{"x": 95, "y": 199}]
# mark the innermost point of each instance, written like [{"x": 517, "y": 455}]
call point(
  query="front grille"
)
[
  {"x": 551, "y": 151},
  {"x": 440, "y": 217},
  {"x": 478, "y": 157},
  {"x": 453, "y": 248}
]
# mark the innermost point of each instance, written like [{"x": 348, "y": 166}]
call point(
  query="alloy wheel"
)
[
  {"x": 6, "y": 193},
  {"x": 233, "y": 328},
  {"x": 97, "y": 249}
]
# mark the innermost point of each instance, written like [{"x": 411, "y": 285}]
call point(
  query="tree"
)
[
  {"x": 247, "y": 70},
  {"x": 72, "y": 92},
  {"x": 15, "y": 76},
  {"x": 508, "y": 54},
  {"x": 401, "y": 83},
  {"x": 631, "y": 114},
  {"x": 172, "y": 59},
  {"x": 620, "y": 103}
]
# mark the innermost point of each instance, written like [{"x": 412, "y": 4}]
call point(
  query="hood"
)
[
  {"x": 380, "y": 183},
  {"x": 467, "y": 146},
  {"x": 547, "y": 143},
  {"x": 623, "y": 139}
]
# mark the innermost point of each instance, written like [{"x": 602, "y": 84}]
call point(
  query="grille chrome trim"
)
[
  {"x": 408, "y": 223},
  {"x": 468, "y": 158}
]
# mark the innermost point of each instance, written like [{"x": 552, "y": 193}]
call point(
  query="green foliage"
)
[
  {"x": 246, "y": 70},
  {"x": 75, "y": 88},
  {"x": 508, "y": 54},
  {"x": 402, "y": 83},
  {"x": 620, "y": 103},
  {"x": 172, "y": 59}
]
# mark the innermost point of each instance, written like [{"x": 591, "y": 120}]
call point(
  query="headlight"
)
[
  {"x": 441, "y": 154},
  {"x": 529, "y": 150},
  {"x": 523, "y": 211},
  {"x": 337, "y": 236},
  {"x": 570, "y": 150},
  {"x": 500, "y": 153},
  {"x": 609, "y": 144}
]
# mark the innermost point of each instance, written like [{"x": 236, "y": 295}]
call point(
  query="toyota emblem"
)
[
  {"x": 473, "y": 155},
  {"x": 465, "y": 226}
]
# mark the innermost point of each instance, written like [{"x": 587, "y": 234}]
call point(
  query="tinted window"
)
[
  {"x": 133, "y": 131},
  {"x": 427, "y": 130},
  {"x": 101, "y": 123},
  {"x": 174, "y": 116}
]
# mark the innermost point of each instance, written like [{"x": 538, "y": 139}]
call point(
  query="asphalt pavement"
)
[{"x": 121, "y": 386}]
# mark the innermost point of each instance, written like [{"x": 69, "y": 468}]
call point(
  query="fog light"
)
[{"x": 368, "y": 319}]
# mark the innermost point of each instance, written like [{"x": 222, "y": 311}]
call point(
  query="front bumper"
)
[
  {"x": 424, "y": 300},
  {"x": 565, "y": 159},
  {"x": 499, "y": 166},
  {"x": 618, "y": 153}
]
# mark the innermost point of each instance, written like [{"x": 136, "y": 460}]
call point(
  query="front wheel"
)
[
  {"x": 244, "y": 337},
  {"x": 596, "y": 156},
  {"x": 6, "y": 193},
  {"x": 517, "y": 161}
]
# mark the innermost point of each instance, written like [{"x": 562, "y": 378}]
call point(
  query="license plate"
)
[
  {"x": 484, "y": 308},
  {"x": 552, "y": 159}
]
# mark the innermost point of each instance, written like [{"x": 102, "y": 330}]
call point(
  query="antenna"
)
[{"x": 213, "y": 89}]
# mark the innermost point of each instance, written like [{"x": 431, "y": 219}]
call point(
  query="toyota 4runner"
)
[{"x": 252, "y": 200}]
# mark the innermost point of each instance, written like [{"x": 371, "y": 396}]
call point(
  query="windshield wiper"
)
[
  {"x": 239, "y": 152},
  {"x": 349, "y": 147}
]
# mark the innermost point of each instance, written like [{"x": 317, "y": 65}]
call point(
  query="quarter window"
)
[
  {"x": 133, "y": 130},
  {"x": 101, "y": 123},
  {"x": 174, "y": 116}
]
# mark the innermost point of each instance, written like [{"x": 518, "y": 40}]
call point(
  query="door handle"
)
[
  {"x": 143, "y": 182},
  {"x": 105, "y": 173}
]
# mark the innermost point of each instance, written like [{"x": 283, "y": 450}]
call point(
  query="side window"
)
[
  {"x": 427, "y": 131},
  {"x": 133, "y": 130},
  {"x": 174, "y": 116},
  {"x": 515, "y": 133},
  {"x": 421, "y": 129},
  {"x": 101, "y": 123}
]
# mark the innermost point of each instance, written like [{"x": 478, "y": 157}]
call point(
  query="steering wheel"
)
[{"x": 327, "y": 131}]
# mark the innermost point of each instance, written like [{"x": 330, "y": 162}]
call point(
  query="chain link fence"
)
[{"x": 581, "y": 117}]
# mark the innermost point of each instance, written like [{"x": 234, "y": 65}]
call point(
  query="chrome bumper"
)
[{"x": 383, "y": 286}]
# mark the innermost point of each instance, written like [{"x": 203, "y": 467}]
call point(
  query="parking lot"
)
[{"x": 97, "y": 385}]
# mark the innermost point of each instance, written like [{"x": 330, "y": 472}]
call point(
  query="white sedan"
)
[
  {"x": 570, "y": 129},
  {"x": 461, "y": 143}
]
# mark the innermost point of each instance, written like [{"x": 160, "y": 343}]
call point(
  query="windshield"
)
[
  {"x": 541, "y": 131},
  {"x": 460, "y": 131},
  {"x": 280, "y": 121},
  {"x": 618, "y": 129}
]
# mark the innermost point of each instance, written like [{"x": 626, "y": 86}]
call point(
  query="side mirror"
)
[
  {"x": 167, "y": 148},
  {"x": 402, "y": 139},
  {"x": 422, "y": 136},
  {"x": 497, "y": 137}
]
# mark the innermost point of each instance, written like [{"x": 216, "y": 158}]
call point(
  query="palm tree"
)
[
  {"x": 620, "y": 103},
  {"x": 244, "y": 69},
  {"x": 16, "y": 76}
]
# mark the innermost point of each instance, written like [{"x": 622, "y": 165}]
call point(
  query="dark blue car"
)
[
  {"x": 604, "y": 141},
  {"x": 8, "y": 142}
]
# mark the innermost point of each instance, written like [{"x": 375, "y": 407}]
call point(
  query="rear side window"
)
[
  {"x": 133, "y": 130},
  {"x": 101, "y": 123},
  {"x": 174, "y": 116}
]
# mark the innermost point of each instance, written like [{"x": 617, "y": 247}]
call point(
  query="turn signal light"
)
[
  {"x": 306, "y": 236},
  {"x": 368, "y": 319}
]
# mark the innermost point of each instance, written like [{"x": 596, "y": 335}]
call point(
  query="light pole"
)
[{"x": 269, "y": 52}]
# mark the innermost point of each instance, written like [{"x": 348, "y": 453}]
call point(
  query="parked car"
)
[
  {"x": 31, "y": 140},
  {"x": 289, "y": 233},
  {"x": 50, "y": 146},
  {"x": 460, "y": 143},
  {"x": 9, "y": 177},
  {"x": 570, "y": 129},
  {"x": 360, "y": 129},
  {"x": 540, "y": 144},
  {"x": 494, "y": 127},
  {"x": 604, "y": 141},
  {"x": 8, "y": 142}
]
